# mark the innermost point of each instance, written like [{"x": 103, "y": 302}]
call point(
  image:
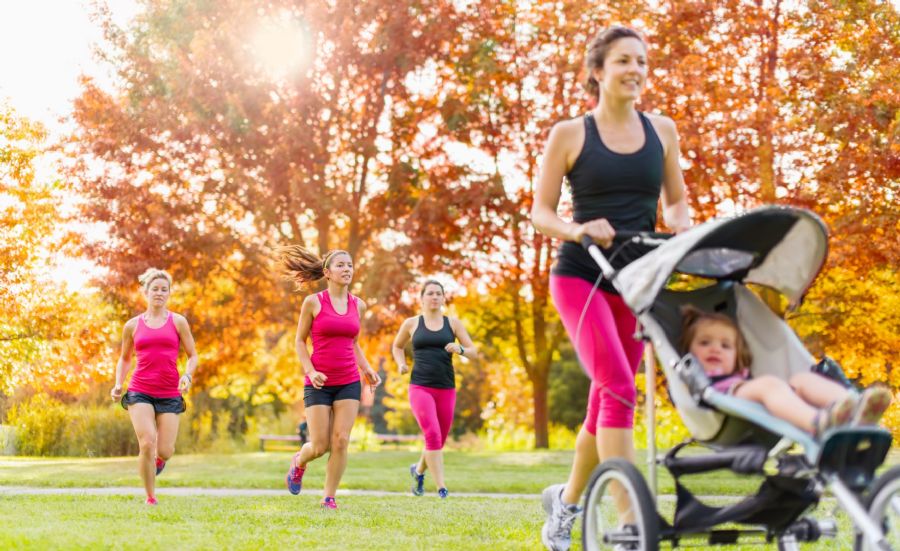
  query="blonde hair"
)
[
  {"x": 151, "y": 274},
  {"x": 304, "y": 266}
]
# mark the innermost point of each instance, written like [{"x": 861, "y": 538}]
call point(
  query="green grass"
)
[
  {"x": 289, "y": 522},
  {"x": 285, "y": 521},
  {"x": 491, "y": 472}
]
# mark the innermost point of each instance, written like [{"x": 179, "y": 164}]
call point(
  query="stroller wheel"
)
[
  {"x": 883, "y": 504},
  {"x": 619, "y": 512}
]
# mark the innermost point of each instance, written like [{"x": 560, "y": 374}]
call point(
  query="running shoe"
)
[
  {"x": 329, "y": 503},
  {"x": 443, "y": 493},
  {"x": 295, "y": 479},
  {"x": 160, "y": 465},
  {"x": 556, "y": 533},
  {"x": 150, "y": 500},
  {"x": 418, "y": 488}
]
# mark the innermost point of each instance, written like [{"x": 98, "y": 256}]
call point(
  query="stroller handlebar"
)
[{"x": 649, "y": 238}]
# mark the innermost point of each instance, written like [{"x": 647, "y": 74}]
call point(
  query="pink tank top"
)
[
  {"x": 156, "y": 373},
  {"x": 332, "y": 341}
]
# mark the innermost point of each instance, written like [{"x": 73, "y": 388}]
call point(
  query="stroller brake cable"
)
[{"x": 584, "y": 310}]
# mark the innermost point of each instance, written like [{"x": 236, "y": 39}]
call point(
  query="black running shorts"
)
[
  {"x": 160, "y": 405},
  {"x": 328, "y": 395}
]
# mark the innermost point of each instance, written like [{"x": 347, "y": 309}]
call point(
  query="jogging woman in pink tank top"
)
[
  {"x": 154, "y": 398},
  {"x": 331, "y": 318}
]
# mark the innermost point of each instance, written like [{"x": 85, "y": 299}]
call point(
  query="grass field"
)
[
  {"x": 288, "y": 522},
  {"x": 489, "y": 472},
  {"x": 283, "y": 521}
]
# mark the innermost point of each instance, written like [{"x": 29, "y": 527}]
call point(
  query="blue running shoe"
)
[
  {"x": 443, "y": 493},
  {"x": 295, "y": 479},
  {"x": 160, "y": 465},
  {"x": 418, "y": 488}
]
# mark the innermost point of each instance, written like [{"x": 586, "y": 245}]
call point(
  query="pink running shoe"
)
[
  {"x": 150, "y": 500},
  {"x": 160, "y": 465},
  {"x": 329, "y": 503},
  {"x": 295, "y": 479}
]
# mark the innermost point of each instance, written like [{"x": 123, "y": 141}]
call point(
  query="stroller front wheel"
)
[
  {"x": 883, "y": 504},
  {"x": 619, "y": 511}
]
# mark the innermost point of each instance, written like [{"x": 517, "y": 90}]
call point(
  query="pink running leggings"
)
[
  {"x": 433, "y": 408},
  {"x": 606, "y": 349}
]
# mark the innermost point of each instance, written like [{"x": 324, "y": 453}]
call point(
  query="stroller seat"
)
[{"x": 775, "y": 348}]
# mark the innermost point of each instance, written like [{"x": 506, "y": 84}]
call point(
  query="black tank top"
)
[
  {"x": 432, "y": 365},
  {"x": 623, "y": 188}
]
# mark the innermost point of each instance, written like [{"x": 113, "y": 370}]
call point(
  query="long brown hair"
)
[
  {"x": 304, "y": 266},
  {"x": 691, "y": 317}
]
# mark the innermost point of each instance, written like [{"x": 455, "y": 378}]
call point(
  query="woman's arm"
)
[
  {"x": 398, "y": 347},
  {"x": 465, "y": 346},
  {"x": 565, "y": 141},
  {"x": 308, "y": 311},
  {"x": 187, "y": 341},
  {"x": 371, "y": 375},
  {"x": 124, "y": 364},
  {"x": 675, "y": 208}
]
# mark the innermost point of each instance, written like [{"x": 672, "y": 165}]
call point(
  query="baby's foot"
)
[
  {"x": 837, "y": 414},
  {"x": 871, "y": 406}
]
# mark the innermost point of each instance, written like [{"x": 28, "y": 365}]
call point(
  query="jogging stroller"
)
[{"x": 782, "y": 249}]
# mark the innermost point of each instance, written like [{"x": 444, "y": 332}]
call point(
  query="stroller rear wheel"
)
[
  {"x": 619, "y": 512},
  {"x": 883, "y": 505}
]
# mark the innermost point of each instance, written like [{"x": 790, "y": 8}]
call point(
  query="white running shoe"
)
[{"x": 557, "y": 531}]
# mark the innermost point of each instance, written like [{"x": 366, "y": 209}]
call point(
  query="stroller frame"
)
[{"x": 745, "y": 437}]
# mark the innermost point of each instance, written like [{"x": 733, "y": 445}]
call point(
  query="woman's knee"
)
[
  {"x": 616, "y": 409},
  {"x": 147, "y": 443},
  {"x": 340, "y": 442},
  {"x": 434, "y": 444},
  {"x": 319, "y": 447},
  {"x": 165, "y": 451}
]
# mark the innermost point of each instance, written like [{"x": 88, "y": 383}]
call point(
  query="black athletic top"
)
[
  {"x": 432, "y": 365},
  {"x": 623, "y": 188}
]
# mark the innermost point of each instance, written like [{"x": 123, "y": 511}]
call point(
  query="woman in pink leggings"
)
[
  {"x": 432, "y": 388},
  {"x": 618, "y": 161}
]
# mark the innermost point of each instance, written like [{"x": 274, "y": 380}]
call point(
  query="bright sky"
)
[{"x": 46, "y": 45}]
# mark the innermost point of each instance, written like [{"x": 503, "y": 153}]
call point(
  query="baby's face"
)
[{"x": 715, "y": 345}]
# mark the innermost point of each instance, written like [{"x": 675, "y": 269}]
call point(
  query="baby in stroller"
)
[{"x": 808, "y": 400}]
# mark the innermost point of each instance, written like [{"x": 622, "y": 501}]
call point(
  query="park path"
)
[
  {"x": 248, "y": 492},
  {"x": 237, "y": 492}
]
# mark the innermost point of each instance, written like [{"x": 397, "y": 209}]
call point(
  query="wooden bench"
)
[
  {"x": 276, "y": 438},
  {"x": 382, "y": 438}
]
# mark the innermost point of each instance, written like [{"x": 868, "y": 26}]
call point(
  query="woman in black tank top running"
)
[
  {"x": 618, "y": 161},
  {"x": 432, "y": 386}
]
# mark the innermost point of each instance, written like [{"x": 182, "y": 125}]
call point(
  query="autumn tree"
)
[
  {"x": 238, "y": 126},
  {"x": 51, "y": 338}
]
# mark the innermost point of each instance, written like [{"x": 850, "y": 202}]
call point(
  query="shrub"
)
[
  {"x": 46, "y": 426},
  {"x": 39, "y": 422}
]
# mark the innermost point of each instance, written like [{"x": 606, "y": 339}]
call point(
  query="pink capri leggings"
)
[
  {"x": 606, "y": 349},
  {"x": 433, "y": 408}
]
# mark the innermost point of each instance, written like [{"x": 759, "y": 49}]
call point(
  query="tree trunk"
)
[{"x": 539, "y": 386}]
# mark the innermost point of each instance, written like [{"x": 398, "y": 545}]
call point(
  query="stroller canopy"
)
[{"x": 783, "y": 248}]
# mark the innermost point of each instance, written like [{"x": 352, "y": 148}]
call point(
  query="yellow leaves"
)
[{"x": 853, "y": 317}]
